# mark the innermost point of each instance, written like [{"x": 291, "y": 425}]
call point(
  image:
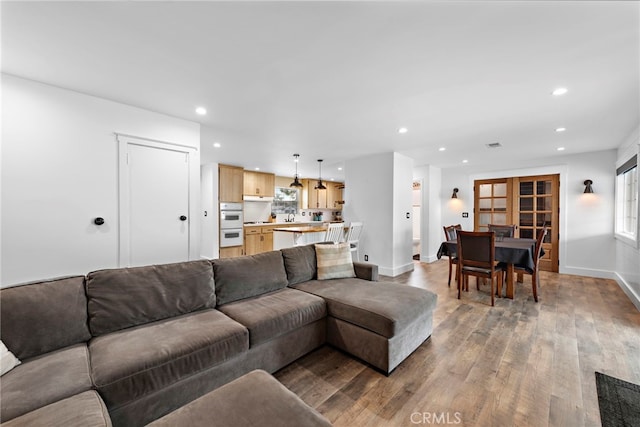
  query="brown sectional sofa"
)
[{"x": 150, "y": 339}]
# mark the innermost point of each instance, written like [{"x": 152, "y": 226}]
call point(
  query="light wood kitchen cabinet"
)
[
  {"x": 259, "y": 184},
  {"x": 267, "y": 239},
  {"x": 334, "y": 195},
  {"x": 230, "y": 183},
  {"x": 322, "y": 199},
  {"x": 317, "y": 198},
  {"x": 258, "y": 240},
  {"x": 231, "y": 252}
]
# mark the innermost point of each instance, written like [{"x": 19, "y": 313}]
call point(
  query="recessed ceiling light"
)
[
  {"x": 403, "y": 130},
  {"x": 201, "y": 111},
  {"x": 559, "y": 91},
  {"x": 465, "y": 161},
  {"x": 339, "y": 169},
  {"x": 257, "y": 169},
  {"x": 217, "y": 145},
  {"x": 441, "y": 149},
  {"x": 560, "y": 148},
  {"x": 560, "y": 129}
]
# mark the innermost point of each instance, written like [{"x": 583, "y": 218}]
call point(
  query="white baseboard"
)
[
  {"x": 627, "y": 289},
  {"x": 393, "y": 272},
  {"x": 429, "y": 259},
  {"x": 588, "y": 272}
]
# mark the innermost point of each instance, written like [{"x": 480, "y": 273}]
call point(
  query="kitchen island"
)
[{"x": 287, "y": 237}]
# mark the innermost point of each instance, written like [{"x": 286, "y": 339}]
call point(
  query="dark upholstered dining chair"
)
[
  {"x": 506, "y": 230},
  {"x": 450, "y": 233},
  {"x": 476, "y": 257},
  {"x": 521, "y": 269}
]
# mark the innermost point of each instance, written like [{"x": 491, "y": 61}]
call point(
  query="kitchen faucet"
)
[{"x": 289, "y": 217}]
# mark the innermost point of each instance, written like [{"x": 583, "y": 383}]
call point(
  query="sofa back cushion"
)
[
  {"x": 43, "y": 316},
  {"x": 125, "y": 297},
  {"x": 300, "y": 263},
  {"x": 248, "y": 276}
]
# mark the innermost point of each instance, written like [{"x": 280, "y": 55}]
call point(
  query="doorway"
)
[
  {"x": 529, "y": 202},
  {"x": 417, "y": 218}
]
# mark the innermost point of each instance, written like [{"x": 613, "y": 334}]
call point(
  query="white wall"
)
[
  {"x": 587, "y": 245},
  {"x": 209, "y": 247},
  {"x": 627, "y": 266},
  {"x": 452, "y": 209},
  {"x": 378, "y": 192},
  {"x": 368, "y": 198},
  {"x": 59, "y": 172},
  {"x": 402, "y": 209}
]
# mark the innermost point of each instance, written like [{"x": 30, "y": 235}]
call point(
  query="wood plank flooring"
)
[{"x": 516, "y": 364}]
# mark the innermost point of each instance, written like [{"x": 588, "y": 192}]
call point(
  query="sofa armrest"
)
[{"x": 366, "y": 271}]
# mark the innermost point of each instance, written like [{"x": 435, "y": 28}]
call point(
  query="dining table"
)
[{"x": 509, "y": 250}]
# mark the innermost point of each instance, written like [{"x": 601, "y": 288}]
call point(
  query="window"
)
[
  {"x": 285, "y": 201},
  {"x": 627, "y": 200}
]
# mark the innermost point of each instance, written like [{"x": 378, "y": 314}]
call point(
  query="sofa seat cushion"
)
[
  {"x": 381, "y": 307},
  {"x": 82, "y": 410},
  {"x": 132, "y": 363},
  {"x": 44, "y": 379},
  {"x": 255, "y": 399},
  {"x": 270, "y": 315}
]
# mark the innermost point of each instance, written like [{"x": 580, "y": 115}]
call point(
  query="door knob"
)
[
  {"x": 183, "y": 218},
  {"x": 98, "y": 221}
]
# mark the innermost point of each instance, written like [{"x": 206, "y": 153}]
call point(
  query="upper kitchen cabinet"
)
[
  {"x": 317, "y": 198},
  {"x": 334, "y": 195},
  {"x": 230, "y": 181},
  {"x": 259, "y": 184},
  {"x": 331, "y": 198}
]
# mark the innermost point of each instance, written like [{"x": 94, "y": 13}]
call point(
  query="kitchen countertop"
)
[
  {"x": 286, "y": 224},
  {"x": 303, "y": 229}
]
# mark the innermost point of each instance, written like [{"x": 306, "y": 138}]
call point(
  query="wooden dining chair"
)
[
  {"x": 450, "y": 233},
  {"x": 535, "y": 278},
  {"x": 476, "y": 257},
  {"x": 503, "y": 230}
]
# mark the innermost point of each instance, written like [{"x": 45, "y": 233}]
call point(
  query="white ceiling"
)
[{"x": 335, "y": 80}]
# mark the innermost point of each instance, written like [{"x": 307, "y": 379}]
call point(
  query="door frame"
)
[
  {"x": 561, "y": 170},
  {"x": 193, "y": 165}
]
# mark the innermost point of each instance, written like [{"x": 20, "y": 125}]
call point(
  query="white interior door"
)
[{"x": 154, "y": 204}]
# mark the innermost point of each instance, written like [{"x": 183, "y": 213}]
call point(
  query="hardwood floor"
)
[{"x": 516, "y": 364}]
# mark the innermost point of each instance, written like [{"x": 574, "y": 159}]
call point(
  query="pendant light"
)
[
  {"x": 320, "y": 185},
  {"x": 296, "y": 182}
]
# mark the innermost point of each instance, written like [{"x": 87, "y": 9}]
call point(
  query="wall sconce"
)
[
  {"x": 455, "y": 193},
  {"x": 587, "y": 186}
]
